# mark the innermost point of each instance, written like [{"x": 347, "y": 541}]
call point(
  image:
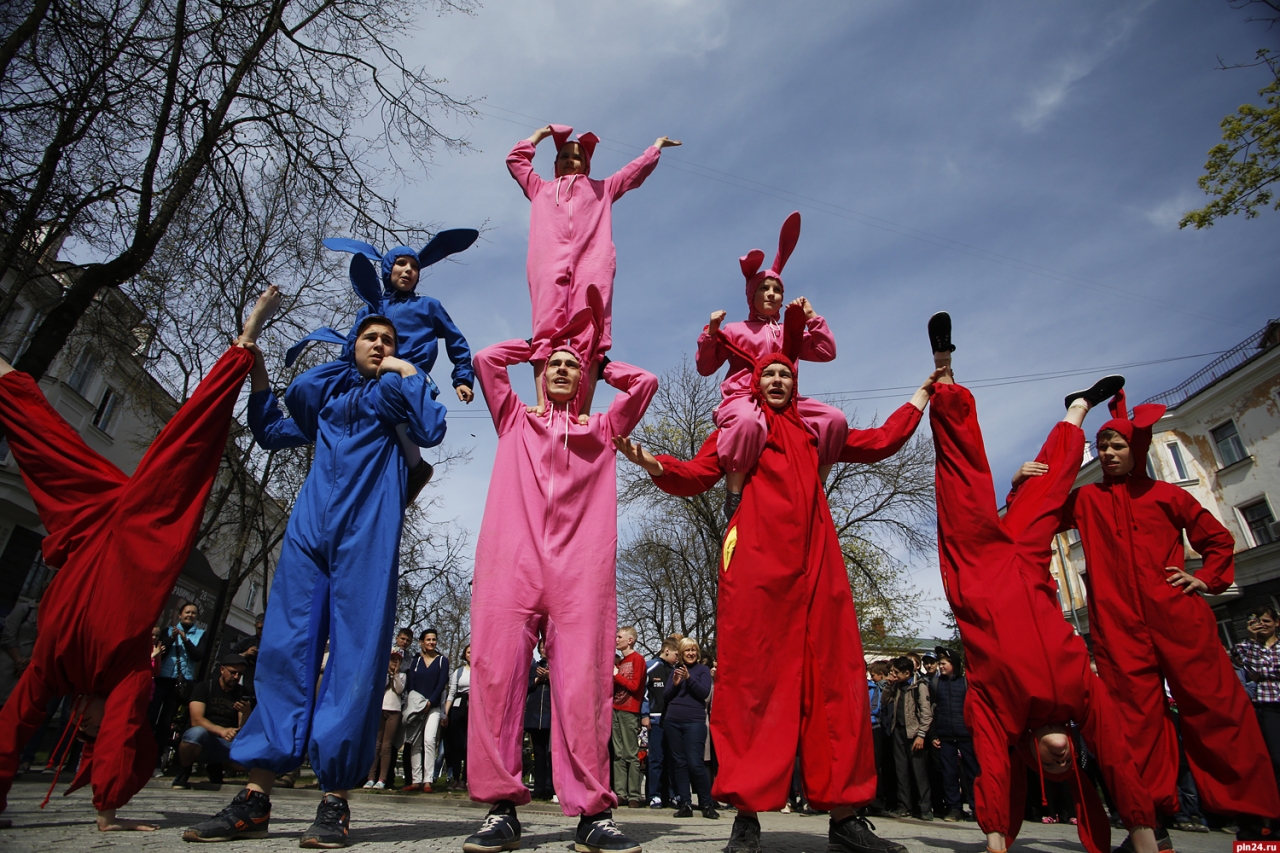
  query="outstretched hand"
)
[
  {"x": 1190, "y": 583},
  {"x": 666, "y": 142},
  {"x": 1029, "y": 470},
  {"x": 263, "y": 310},
  {"x": 638, "y": 455}
]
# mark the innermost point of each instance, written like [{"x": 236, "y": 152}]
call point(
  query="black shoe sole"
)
[
  {"x": 940, "y": 332},
  {"x": 480, "y": 848},
  {"x": 1102, "y": 390},
  {"x": 190, "y": 836}
]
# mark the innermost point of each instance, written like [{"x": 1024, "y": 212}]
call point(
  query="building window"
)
[
  {"x": 1151, "y": 468},
  {"x": 1230, "y": 448},
  {"x": 1175, "y": 456},
  {"x": 82, "y": 374},
  {"x": 1258, "y": 518},
  {"x": 253, "y": 596},
  {"x": 105, "y": 415},
  {"x": 28, "y": 320},
  {"x": 1073, "y": 537}
]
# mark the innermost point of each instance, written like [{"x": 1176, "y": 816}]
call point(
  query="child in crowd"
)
[
  {"x": 572, "y": 259},
  {"x": 739, "y": 417}
]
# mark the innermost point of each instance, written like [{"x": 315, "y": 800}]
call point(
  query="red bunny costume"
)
[
  {"x": 119, "y": 543},
  {"x": 740, "y": 418},
  {"x": 782, "y": 566},
  {"x": 1026, "y": 667},
  {"x": 1147, "y": 631}
]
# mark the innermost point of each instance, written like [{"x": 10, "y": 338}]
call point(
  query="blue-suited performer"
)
[{"x": 335, "y": 580}]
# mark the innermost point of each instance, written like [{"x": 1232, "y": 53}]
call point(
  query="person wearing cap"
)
[
  {"x": 1029, "y": 676},
  {"x": 545, "y": 564},
  {"x": 119, "y": 543},
  {"x": 1151, "y": 625},
  {"x": 335, "y": 583},
  {"x": 782, "y": 565},
  {"x": 572, "y": 259},
  {"x": 217, "y": 708}
]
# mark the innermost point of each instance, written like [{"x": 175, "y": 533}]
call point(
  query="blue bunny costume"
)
[{"x": 338, "y": 568}]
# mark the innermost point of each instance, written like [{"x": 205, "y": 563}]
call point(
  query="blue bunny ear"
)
[
  {"x": 355, "y": 247},
  {"x": 447, "y": 243},
  {"x": 324, "y": 334},
  {"x": 364, "y": 280}
]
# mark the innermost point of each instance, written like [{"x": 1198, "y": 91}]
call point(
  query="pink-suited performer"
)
[
  {"x": 571, "y": 249},
  {"x": 545, "y": 564}
]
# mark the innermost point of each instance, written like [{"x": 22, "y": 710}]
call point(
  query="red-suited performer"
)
[
  {"x": 781, "y": 565},
  {"x": 1029, "y": 676},
  {"x": 1151, "y": 624},
  {"x": 119, "y": 543}
]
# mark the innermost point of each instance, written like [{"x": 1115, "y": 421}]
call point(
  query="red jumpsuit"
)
[
  {"x": 1026, "y": 667},
  {"x": 119, "y": 544},
  {"x": 1147, "y": 631},
  {"x": 782, "y": 571}
]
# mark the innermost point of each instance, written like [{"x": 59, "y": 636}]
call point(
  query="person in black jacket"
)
[
  {"x": 657, "y": 675},
  {"x": 537, "y": 722},
  {"x": 951, "y": 737}
]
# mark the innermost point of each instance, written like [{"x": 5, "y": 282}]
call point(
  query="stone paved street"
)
[{"x": 439, "y": 823}]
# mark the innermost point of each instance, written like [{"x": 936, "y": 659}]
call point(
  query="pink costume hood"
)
[
  {"x": 561, "y": 133},
  {"x": 751, "y": 261},
  {"x": 1136, "y": 432}
]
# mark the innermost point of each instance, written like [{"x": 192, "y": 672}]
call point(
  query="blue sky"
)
[{"x": 1021, "y": 165}]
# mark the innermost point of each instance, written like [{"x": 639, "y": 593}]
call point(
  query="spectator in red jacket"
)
[{"x": 628, "y": 693}]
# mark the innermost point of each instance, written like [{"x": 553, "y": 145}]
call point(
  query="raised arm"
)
[
  {"x": 818, "y": 343},
  {"x": 872, "y": 445},
  {"x": 637, "y": 387},
  {"x": 520, "y": 165},
  {"x": 491, "y": 365},
  {"x": 694, "y": 477},
  {"x": 631, "y": 175},
  {"x": 710, "y": 354}
]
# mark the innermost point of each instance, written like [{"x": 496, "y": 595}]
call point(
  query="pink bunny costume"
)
[
  {"x": 545, "y": 563},
  {"x": 739, "y": 418},
  {"x": 571, "y": 239}
]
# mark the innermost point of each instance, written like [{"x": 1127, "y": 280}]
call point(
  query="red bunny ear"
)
[
  {"x": 787, "y": 240},
  {"x": 1117, "y": 406},
  {"x": 588, "y": 141},
  {"x": 1146, "y": 414},
  {"x": 750, "y": 262},
  {"x": 560, "y": 134}
]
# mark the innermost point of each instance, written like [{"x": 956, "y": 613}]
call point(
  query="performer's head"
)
[
  {"x": 404, "y": 271},
  {"x": 777, "y": 383},
  {"x": 1114, "y": 453},
  {"x": 766, "y": 299},
  {"x": 375, "y": 341},
  {"x": 562, "y": 375},
  {"x": 1054, "y": 745},
  {"x": 571, "y": 159}
]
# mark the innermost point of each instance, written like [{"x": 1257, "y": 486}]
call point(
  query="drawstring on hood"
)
[
  {"x": 751, "y": 261},
  {"x": 1136, "y": 432}
]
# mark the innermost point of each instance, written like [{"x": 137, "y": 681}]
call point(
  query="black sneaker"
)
[
  {"x": 710, "y": 813},
  {"x": 926, "y": 815},
  {"x": 183, "y": 779},
  {"x": 215, "y": 773},
  {"x": 854, "y": 835},
  {"x": 1101, "y": 391},
  {"x": 333, "y": 822},
  {"x": 953, "y": 816},
  {"x": 1252, "y": 829},
  {"x": 745, "y": 835},
  {"x": 248, "y": 816},
  {"x": 599, "y": 834},
  {"x": 940, "y": 332},
  {"x": 500, "y": 831},
  {"x": 685, "y": 810}
]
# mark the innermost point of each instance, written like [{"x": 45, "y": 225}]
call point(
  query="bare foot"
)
[
  {"x": 108, "y": 822},
  {"x": 263, "y": 310}
]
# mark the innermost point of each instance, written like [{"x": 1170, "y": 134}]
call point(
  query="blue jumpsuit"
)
[{"x": 337, "y": 573}]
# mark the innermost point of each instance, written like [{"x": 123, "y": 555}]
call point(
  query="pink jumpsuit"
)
[
  {"x": 545, "y": 563},
  {"x": 571, "y": 250}
]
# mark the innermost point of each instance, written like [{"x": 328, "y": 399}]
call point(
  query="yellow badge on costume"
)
[{"x": 730, "y": 542}]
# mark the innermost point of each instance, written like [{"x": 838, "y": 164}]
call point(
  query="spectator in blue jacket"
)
[
  {"x": 951, "y": 737},
  {"x": 685, "y": 722}
]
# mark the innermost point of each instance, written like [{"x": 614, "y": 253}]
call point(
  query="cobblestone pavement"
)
[{"x": 435, "y": 822}]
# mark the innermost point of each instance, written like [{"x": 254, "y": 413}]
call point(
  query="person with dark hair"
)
[
  {"x": 425, "y": 687},
  {"x": 910, "y": 716},
  {"x": 537, "y": 722},
  {"x": 383, "y": 770},
  {"x": 657, "y": 674},
  {"x": 185, "y": 648},
  {"x": 218, "y": 708},
  {"x": 878, "y": 684},
  {"x": 454, "y": 720},
  {"x": 335, "y": 580},
  {"x": 1260, "y": 654},
  {"x": 951, "y": 737}
]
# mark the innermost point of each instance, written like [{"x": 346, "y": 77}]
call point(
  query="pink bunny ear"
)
[
  {"x": 560, "y": 134},
  {"x": 787, "y": 240},
  {"x": 1117, "y": 406},
  {"x": 588, "y": 141},
  {"x": 1147, "y": 414},
  {"x": 750, "y": 262}
]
